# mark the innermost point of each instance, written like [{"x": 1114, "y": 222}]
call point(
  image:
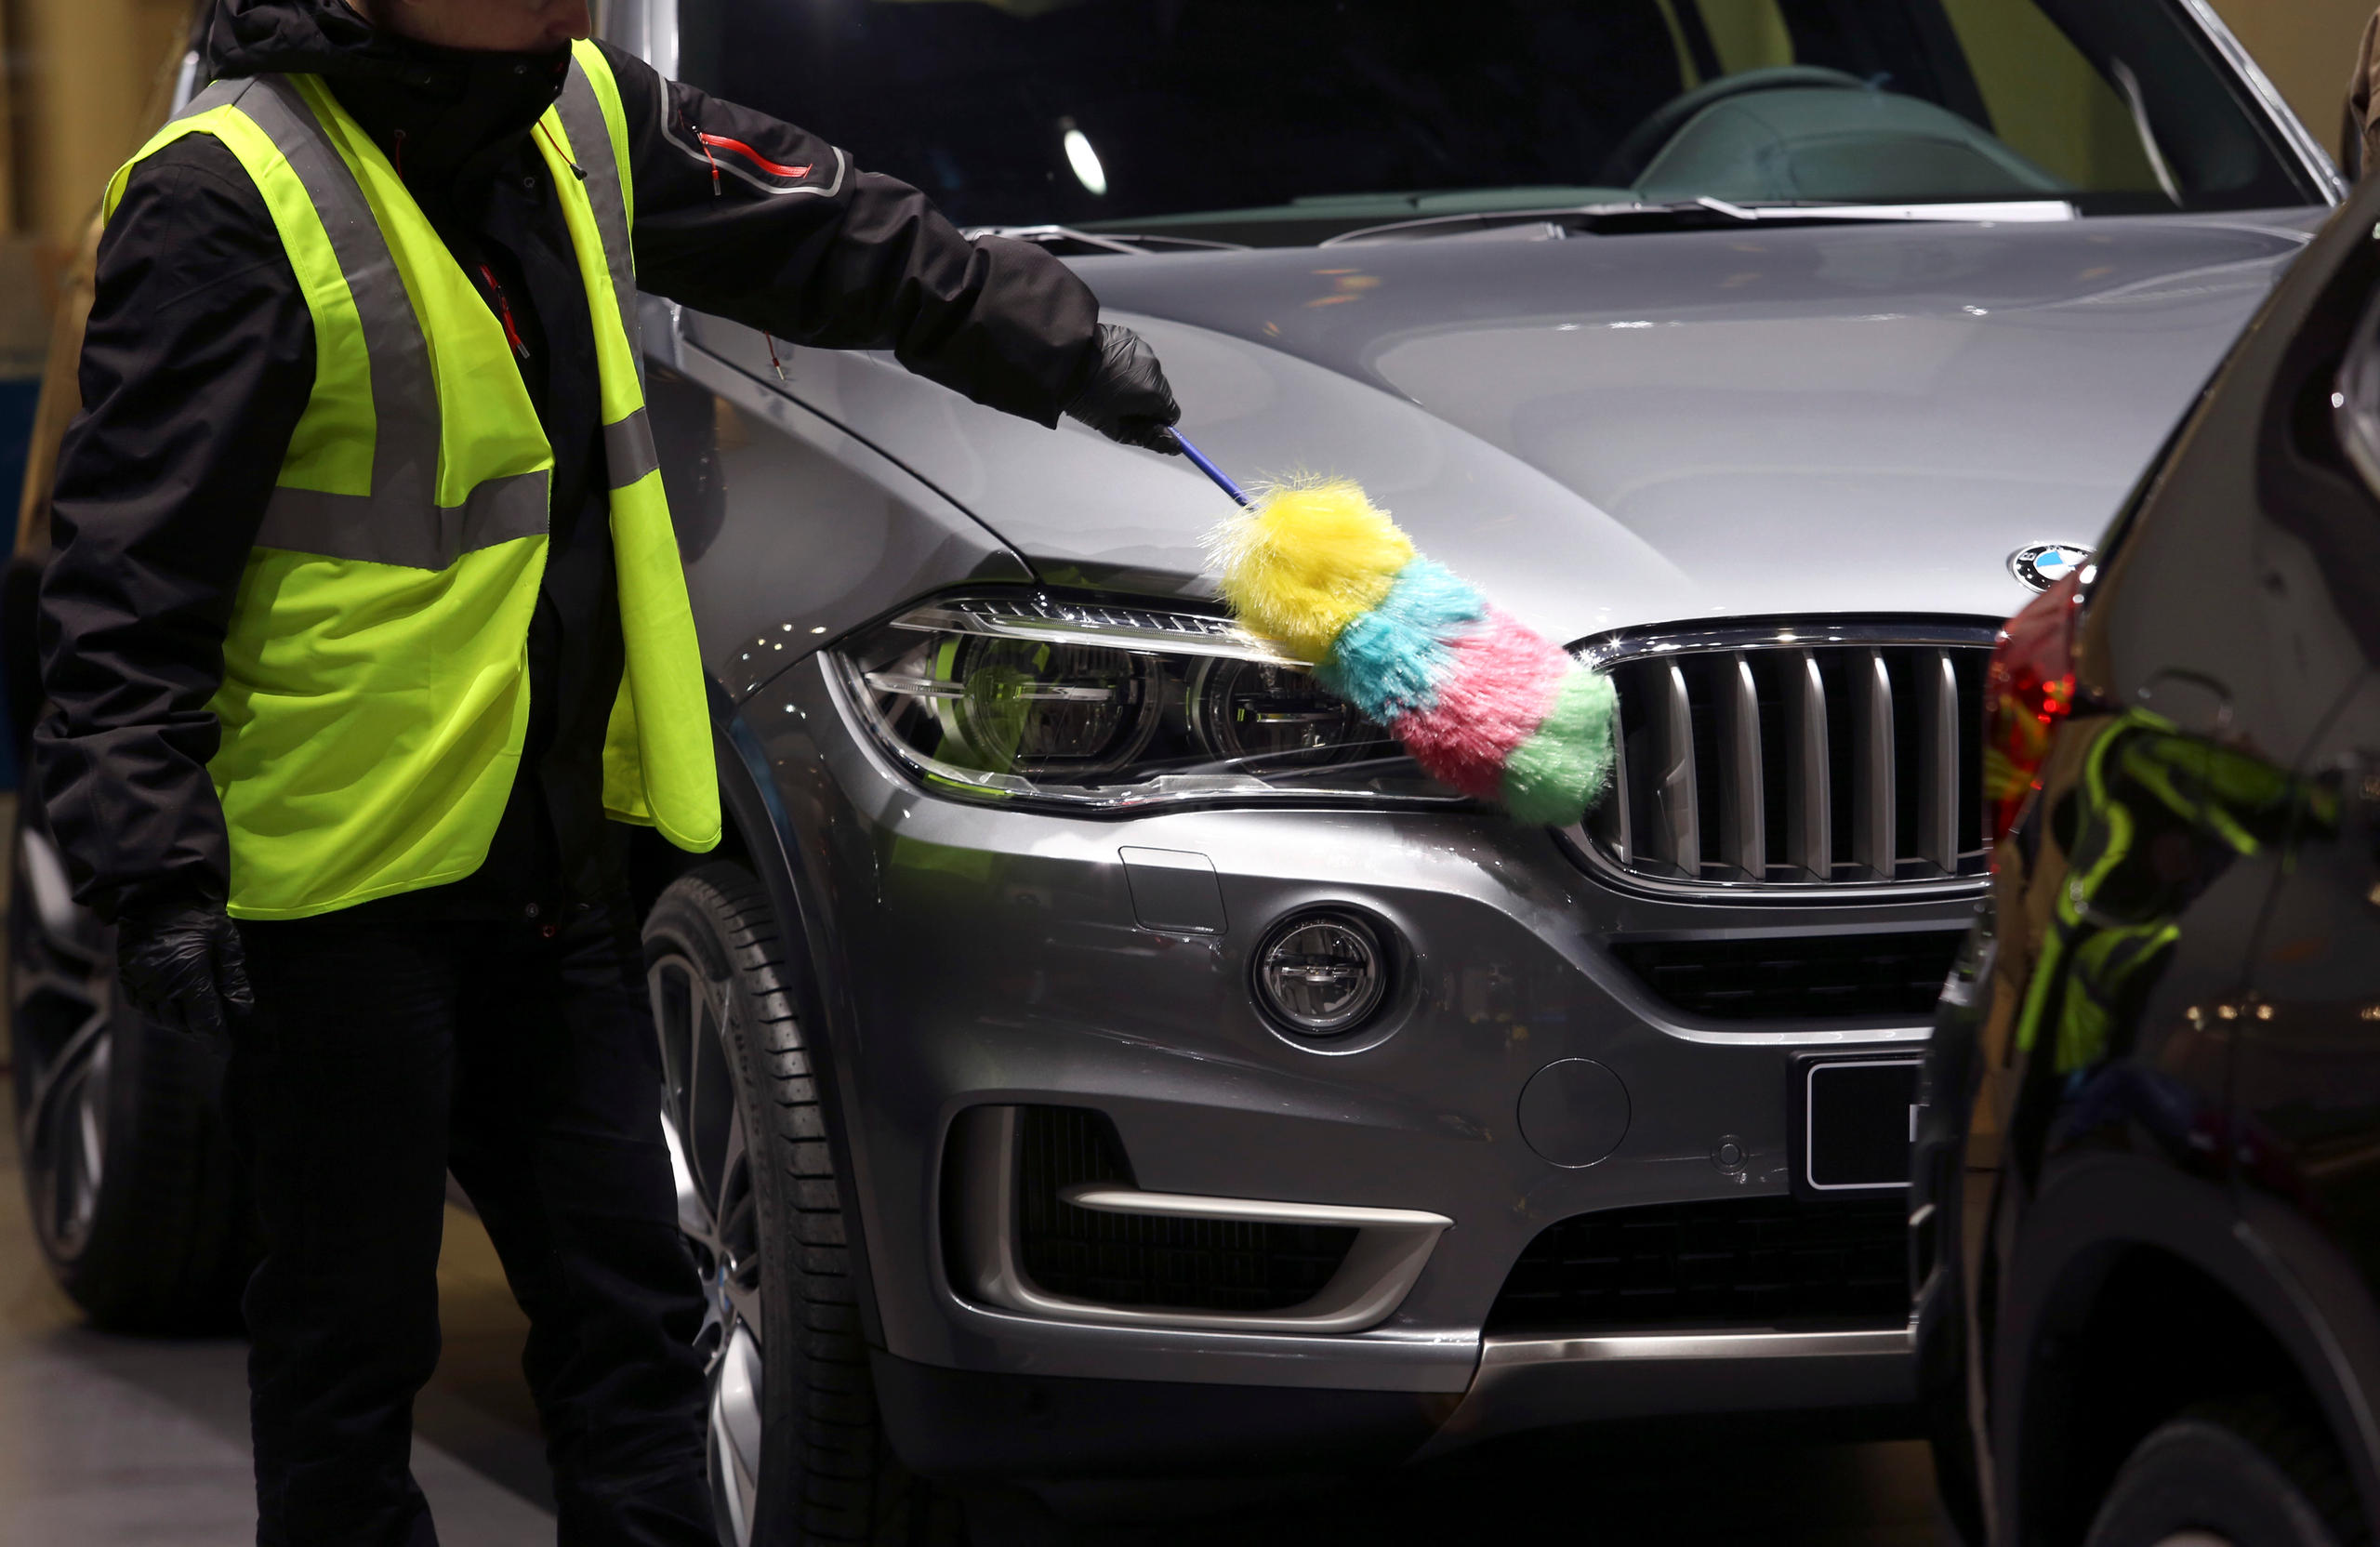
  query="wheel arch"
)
[
  {"x": 759, "y": 834},
  {"x": 2137, "y": 1291}
]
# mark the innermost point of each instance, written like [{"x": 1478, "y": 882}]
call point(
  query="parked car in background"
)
[
  {"x": 2146, "y": 1209},
  {"x": 1094, "y": 1052}
]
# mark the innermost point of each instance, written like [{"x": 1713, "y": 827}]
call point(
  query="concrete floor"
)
[
  {"x": 113, "y": 1441},
  {"x": 124, "y": 1442}
]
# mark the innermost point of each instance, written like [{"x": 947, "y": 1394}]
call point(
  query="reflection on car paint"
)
[{"x": 2157, "y": 818}]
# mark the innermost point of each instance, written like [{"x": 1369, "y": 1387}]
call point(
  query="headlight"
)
[{"x": 1111, "y": 707}]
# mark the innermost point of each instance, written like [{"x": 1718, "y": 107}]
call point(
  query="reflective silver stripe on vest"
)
[
  {"x": 219, "y": 94},
  {"x": 590, "y": 142},
  {"x": 351, "y": 526},
  {"x": 400, "y": 522},
  {"x": 628, "y": 446}
]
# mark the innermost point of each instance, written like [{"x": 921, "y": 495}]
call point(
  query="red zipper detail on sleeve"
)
[
  {"x": 774, "y": 168},
  {"x": 703, "y": 141},
  {"x": 504, "y": 311}
]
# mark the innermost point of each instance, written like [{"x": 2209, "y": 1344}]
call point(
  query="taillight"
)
[{"x": 2031, "y": 688}]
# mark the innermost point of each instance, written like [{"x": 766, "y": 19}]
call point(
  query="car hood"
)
[{"x": 1607, "y": 431}]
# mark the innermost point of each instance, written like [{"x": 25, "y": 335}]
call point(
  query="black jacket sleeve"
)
[
  {"x": 756, "y": 220},
  {"x": 197, "y": 366}
]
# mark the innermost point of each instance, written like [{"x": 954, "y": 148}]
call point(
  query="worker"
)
[{"x": 366, "y": 633}]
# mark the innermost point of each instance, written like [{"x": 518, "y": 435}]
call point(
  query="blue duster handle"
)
[{"x": 1199, "y": 460}]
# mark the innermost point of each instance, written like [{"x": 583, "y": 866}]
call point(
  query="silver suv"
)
[{"x": 1098, "y": 1052}]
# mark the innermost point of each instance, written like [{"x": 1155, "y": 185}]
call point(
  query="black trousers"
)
[{"x": 382, "y": 1055}]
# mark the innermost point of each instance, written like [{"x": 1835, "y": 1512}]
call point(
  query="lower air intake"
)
[
  {"x": 1729, "y": 1263},
  {"x": 1148, "y": 1260},
  {"x": 1832, "y": 977}
]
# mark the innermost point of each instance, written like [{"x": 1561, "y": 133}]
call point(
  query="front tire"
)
[
  {"x": 797, "y": 1451},
  {"x": 2242, "y": 1473},
  {"x": 134, "y": 1192}
]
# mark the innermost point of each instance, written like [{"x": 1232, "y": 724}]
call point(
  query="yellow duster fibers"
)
[
  {"x": 1484, "y": 704},
  {"x": 1309, "y": 560}
]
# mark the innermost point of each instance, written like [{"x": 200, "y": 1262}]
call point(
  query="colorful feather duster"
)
[{"x": 1482, "y": 703}]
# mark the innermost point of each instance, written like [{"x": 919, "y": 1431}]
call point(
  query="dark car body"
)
[{"x": 2148, "y": 1175}]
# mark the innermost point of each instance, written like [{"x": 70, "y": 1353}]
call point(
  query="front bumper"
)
[{"x": 985, "y": 956}]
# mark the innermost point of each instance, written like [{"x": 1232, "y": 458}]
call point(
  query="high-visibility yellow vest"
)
[{"x": 375, "y": 681}]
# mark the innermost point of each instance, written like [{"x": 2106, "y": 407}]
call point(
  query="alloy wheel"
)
[
  {"x": 61, "y": 1004},
  {"x": 702, "y": 1121}
]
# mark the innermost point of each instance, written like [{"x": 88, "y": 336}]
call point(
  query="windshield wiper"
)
[
  {"x": 1702, "y": 214},
  {"x": 1105, "y": 241}
]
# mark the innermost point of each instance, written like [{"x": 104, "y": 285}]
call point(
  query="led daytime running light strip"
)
[{"x": 927, "y": 687}]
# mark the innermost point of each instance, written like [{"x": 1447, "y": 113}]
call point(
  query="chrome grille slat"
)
[
  {"x": 1874, "y": 816},
  {"x": 1809, "y": 795},
  {"x": 1676, "y": 835},
  {"x": 1611, "y": 815},
  {"x": 1743, "y": 800},
  {"x": 1783, "y": 758},
  {"x": 1938, "y": 762}
]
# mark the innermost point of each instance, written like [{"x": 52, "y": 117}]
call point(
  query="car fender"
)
[
  {"x": 2333, "y": 1334},
  {"x": 2290, "y": 1279},
  {"x": 756, "y": 812}
]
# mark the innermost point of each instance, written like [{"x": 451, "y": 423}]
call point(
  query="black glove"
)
[
  {"x": 1126, "y": 398},
  {"x": 181, "y": 966}
]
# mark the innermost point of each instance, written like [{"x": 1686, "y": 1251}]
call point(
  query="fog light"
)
[{"x": 1322, "y": 974}]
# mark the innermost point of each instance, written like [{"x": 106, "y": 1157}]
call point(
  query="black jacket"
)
[{"x": 199, "y": 360}]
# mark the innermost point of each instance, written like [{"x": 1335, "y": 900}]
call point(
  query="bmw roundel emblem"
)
[{"x": 2042, "y": 565}]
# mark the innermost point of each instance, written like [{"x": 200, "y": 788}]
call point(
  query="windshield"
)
[{"x": 1288, "y": 121}]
